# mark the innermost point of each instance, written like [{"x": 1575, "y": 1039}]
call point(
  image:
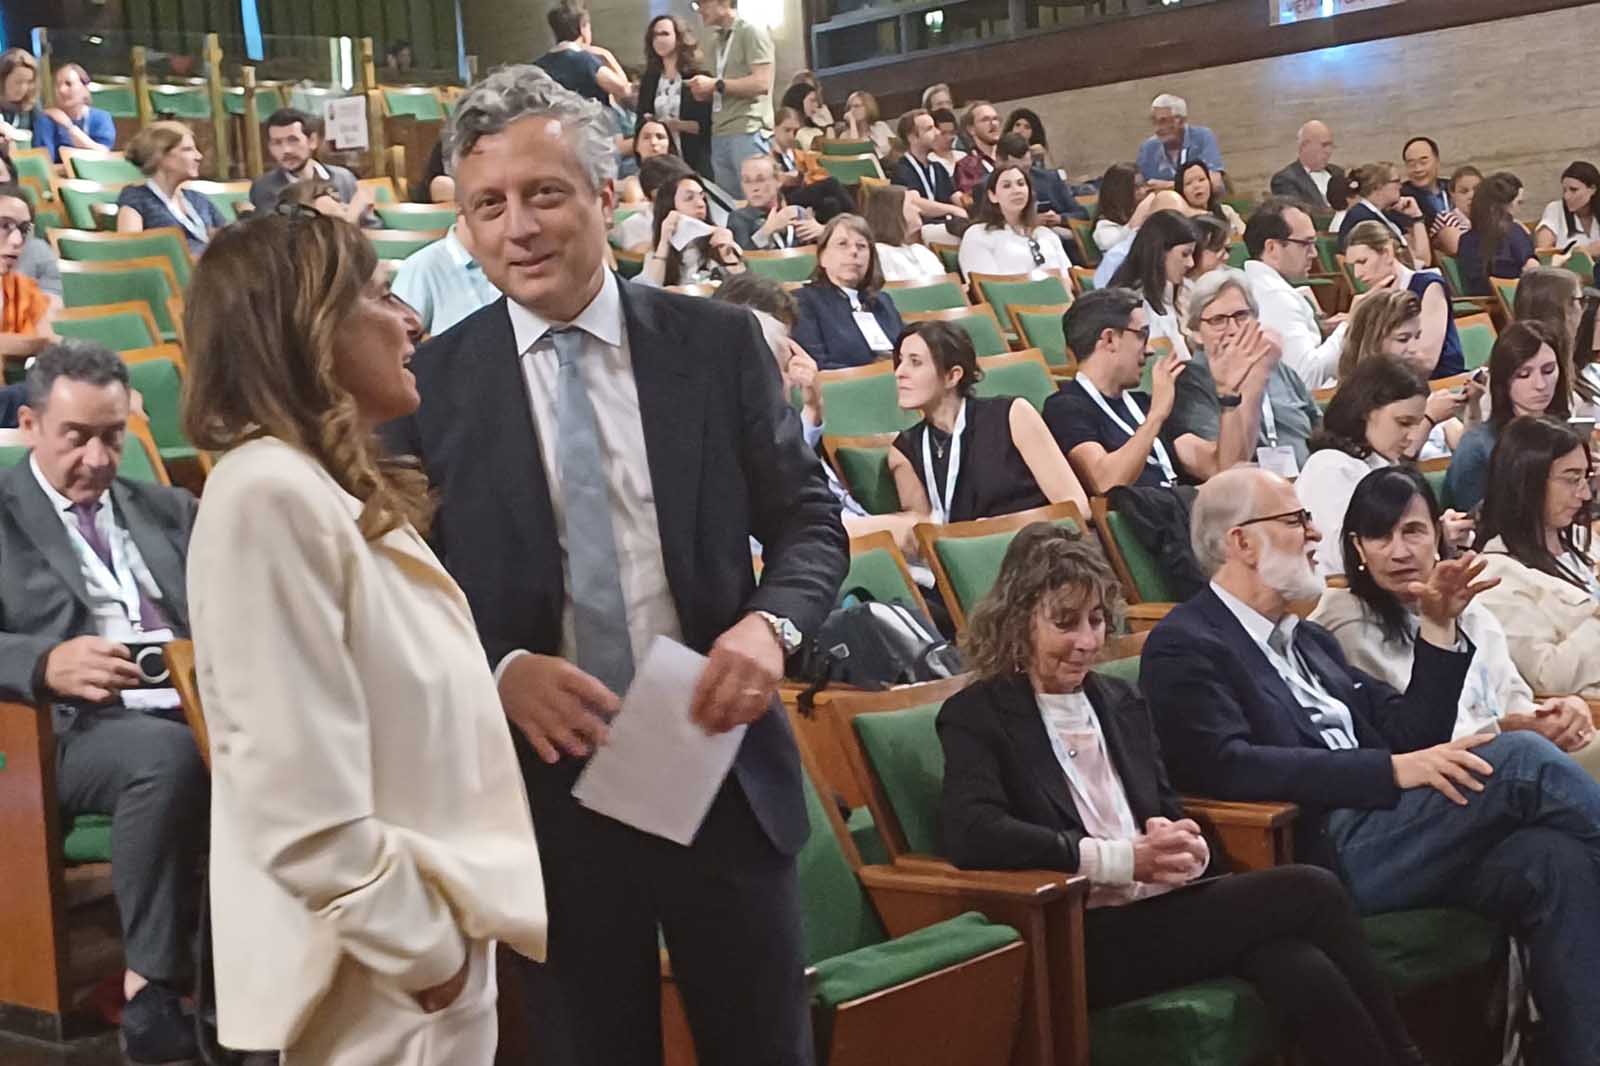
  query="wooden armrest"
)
[
  {"x": 1022, "y": 886},
  {"x": 1253, "y": 836},
  {"x": 1256, "y": 815},
  {"x": 1143, "y": 616}
]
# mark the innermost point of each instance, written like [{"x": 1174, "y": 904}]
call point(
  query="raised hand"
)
[
  {"x": 1164, "y": 386},
  {"x": 1452, "y": 585}
]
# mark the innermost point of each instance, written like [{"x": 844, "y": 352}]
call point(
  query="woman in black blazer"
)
[
  {"x": 847, "y": 281},
  {"x": 671, "y": 58},
  {"x": 1049, "y": 765}
]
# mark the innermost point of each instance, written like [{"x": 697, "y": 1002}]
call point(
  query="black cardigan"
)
[{"x": 695, "y": 147}]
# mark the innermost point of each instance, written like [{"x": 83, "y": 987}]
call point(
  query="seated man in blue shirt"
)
[
  {"x": 1174, "y": 143},
  {"x": 443, "y": 282}
]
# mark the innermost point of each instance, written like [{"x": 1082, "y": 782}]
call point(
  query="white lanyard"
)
[
  {"x": 1335, "y": 735},
  {"x": 916, "y": 168},
  {"x": 1269, "y": 421},
  {"x": 120, "y": 575},
  {"x": 1158, "y": 451},
  {"x": 942, "y": 502},
  {"x": 178, "y": 209},
  {"x": 1387, "y": 221},
  {"x": 722, "y": 56}
]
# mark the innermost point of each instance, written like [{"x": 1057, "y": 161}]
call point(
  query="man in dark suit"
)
[
  {"x": 1253, "y": 704},
  {"x": 91, "y": 564},
  {"x": 1310, "y": 177},
  {"x": 605, "y": 454}
]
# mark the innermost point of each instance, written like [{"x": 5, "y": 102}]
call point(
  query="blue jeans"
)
[
  {"x": 1525, "y": 852},
  {"x": 728, "y": 153}
]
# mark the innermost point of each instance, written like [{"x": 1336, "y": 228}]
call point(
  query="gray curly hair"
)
[{"x": 513, "y": 92}]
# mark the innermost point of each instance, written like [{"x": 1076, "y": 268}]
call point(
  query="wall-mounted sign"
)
[
  {"x": 346, "y": 121},
  {"x": 1285, "y": 11}
]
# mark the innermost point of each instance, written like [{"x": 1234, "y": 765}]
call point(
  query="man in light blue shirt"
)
[
  {"x": 444, "y": 283},
  {"x": 1174, "y": 143}
]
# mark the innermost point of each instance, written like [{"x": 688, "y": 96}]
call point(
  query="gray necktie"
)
[{"x": 600, "y": 619}]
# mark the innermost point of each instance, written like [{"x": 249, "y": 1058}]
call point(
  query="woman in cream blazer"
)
[{"x": 371, "y": 839}]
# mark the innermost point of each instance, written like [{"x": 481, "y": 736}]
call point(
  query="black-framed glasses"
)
[
  {"x": 1300, "y": 519},
  {"x": 1143, "y": 333},
  {"x": 1241, "y": 318},
  {"x": 1307, "y": 243},
  {"x": 1036, "y": 251},
  {"x": 8, "y": 226}
]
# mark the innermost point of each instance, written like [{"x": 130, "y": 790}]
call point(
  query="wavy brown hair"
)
[
  {"x": 1379, "y": 315},
  {"x": 263, "y": 307},
  {"x": 1046, "y": 564}
]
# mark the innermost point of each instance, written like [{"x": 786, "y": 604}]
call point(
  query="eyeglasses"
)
[
  {"x": 1299, "y": 519},
  {"x": 1571, "y": 482},
  {"x": 1307, "y": 243},
  {"x": 1038, "y": 253},
  {"x": 8, "y": 226},
  {"x": 1240, "y": 318},
  {"x": 1143, "y": 333}
]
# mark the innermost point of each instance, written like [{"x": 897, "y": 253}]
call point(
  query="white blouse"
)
[
  {"x": 1325, "y": 486},
  {"x": 909, "y": 262},
  {"x": 1004, "y": 251},
  {"x": 1109, "y": 234},
  {"x": 1554, "y": 219}
]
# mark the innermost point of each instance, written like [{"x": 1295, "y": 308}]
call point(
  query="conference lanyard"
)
[
  {"x": 1387, "y": 221},
  {"x": 916, "y": 168},
  {"x": 941, "y": 503},
  {"x": 1327, "y": 722},
  {"x": 1269, "y": 421},
  {"x": 119, "y": 576},
  {"x": 178, "y": 209},
  {"x": 1158, "y": 451}
]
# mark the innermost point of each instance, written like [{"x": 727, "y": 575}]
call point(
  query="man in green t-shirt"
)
[{"x": 740, "y": 89}]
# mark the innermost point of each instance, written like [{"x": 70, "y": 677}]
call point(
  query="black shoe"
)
[{"x": 155, "y": 1029}]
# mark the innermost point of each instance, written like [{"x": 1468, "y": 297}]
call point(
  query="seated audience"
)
[
  {"x": 1375, "y": 419},
  {"x": 397, "y": 59},
  {"x": 969, "y": 456},
  {"x": 19, "y": 91},
  {"x": 1210, "y": 253},
  {"x": 1373, "y": 257},
  {"x": 919, "y": 172},
  {"x": 1433, "y": 196},
  {"x": 1375, "y": 192},
  {"x": 1388, "y": 324},
  {"x": 90, "y": 564},
  {"x": 1447, "y": 230},
  {"x": 1574, "y": 220},
  {"x": 1527, "y": 376},
  {"x": 1054, "y": 197},
  {"x": 1311, "y": 175},
  {"x": 1275, "y": 410},
  {"x": 1282, "y": 241},
  {"x": 1553, "y": 296},
  {"x": 1502, "y": 825},
  {"x": 70, "y": 122},
  {"x": 945, "y": 150},
  {"x": 25, "y": 310},
  {"x": 1025, "y": 123},
  {"x": 671, "y": 58},
  {"x": 707, "y": 257},
  {"x": 1393, "y": 539},
  {"x": 1005, "y": 236},
  {"x": 1051, "y": 765},
  {"x": 897, "y": 235},
  {"x": 1158, "y": 262},
  {"x": 632, "y": 232},
  {"x": 435, "y": 186},
  {"x": 862, "y": 123},
  {"x": 164, "y": 152},
  {"x": 980, "y": 124},
  {"x": 1202, "y": 195},
  {"x": 815, "y": 119},
  {"x": 1174, "y": 142},
  {"x": 293, "y": 140},
  {"x": 651, "y": 139},
  {"x": 846, "y": 319},
  {"x": 443, "y": 283},
  {"x": 1535, "y": 538},
  {"x": 766, "y": 221},
  {"x": 1496, "y": 246},
  {"x": 1122, "y": 206}
]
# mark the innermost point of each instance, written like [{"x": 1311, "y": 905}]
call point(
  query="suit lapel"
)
[
  {"x": 39, "y": 522},
  {"x": 1261, "y": 669},
  {"x": 1026, "y": 731},
  {"x": 160, "y": 556}
]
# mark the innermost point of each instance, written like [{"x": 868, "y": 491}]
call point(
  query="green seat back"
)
[
  {"x": 973, "y": 563},
  {"x": 1122, "y": 669},
  {"x": 783, "y": 268},
  {"x": 950, "y": 257},
  {"x": 1328, "y": 252},
  {"x": 1452, "y": 273},
  {"x": 116, "y": 97},
  {"x": 268, "y": 100},
  {"x": 848, "y": 170},
  {"x": 1086, "y": 283},
  {"x": 1220, "y": 1022},
  {"x": 1322, "y": 220},
  {"x": 1418, "y": 948},
  {"x": 831, "y": 147},
  {"x": 80, "y": 205},
  {"x": 1581, "y": 265},
  {"x": 1477, "y": 341},
  {"x": 88, "y": 839},
  {"x": 859, "y": 406},
  {"x": 391, "y": 247},
  {"x": 108, "y": 170},
  {"x": 120, "y": 331},
  {"x": 1083, "y": 229},
  {"x": 423, "y": 106},
  {"x": 864, "y": 834},
  {"x": 135, "y": 464},
  {"x": 866, "y": 473},
  {"x": 629, "y": 268},
  {"x": 181, "y": 101},
  {"x": 393, "y": 218},
  {"x": 34, "y": 165},
  {"x": 12, "y": 454},
  {"x": 1238, "y": 255},
  {"x": 158, "y": 381},
  {"x": 1148, "y": 580},
  {"x": 1002, "y": 294},
  {"x": 985, "y": 334},
  {"x": 837, "y": 917},
  {"x": 903, "y": 750},
  {"x": 1027, "y": 379},
  {"x": 1042, "y": 330},
  {"x": 138, "y": 283},
  {"x": 879, "y": 574},
  {"x": 1440, "y": 485},
  {"x": 130, "y": 246},
  {"x": 228, "y": 203},
  {"x": 940, "y": 296}
]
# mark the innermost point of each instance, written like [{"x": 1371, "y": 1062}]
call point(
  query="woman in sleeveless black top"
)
[{"x": 987, "y": 456}]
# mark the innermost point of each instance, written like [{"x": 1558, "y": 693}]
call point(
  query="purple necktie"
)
[{"x": 150, "y": 616}]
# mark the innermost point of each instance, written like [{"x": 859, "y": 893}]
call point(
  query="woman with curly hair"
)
[{"x": 1051, "y": 765}]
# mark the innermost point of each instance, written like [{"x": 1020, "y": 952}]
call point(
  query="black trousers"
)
[
  {"x": 146, "y": 772},
  {"x": 728, "y": 907},
  {"x": 1290, "y": 931}
]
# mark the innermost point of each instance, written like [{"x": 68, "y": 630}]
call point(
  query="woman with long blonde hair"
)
[{"x": 371, "y": 839}]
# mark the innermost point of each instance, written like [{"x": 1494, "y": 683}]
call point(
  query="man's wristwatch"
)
[
  {"x": 1233, "y": 399},
  {"x": 721, "y": 85},
  {"x": 787, "y": 632}
]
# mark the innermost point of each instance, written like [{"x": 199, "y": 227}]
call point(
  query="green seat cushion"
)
[
  {"x": 107, "y": 170},
  {"x": 832, "y": 147},
  {"x": 986, "y": 336},
  {"x": 903, "y": 748},
  {"x": 836, "y": 916},
  {"x": 1440, "y": 485},
  {"x": 879, "y": 573},
  {"x": 950, "y": 257},
  {"x": 1477, "y": 341},
  {"x": 864, "y": 833},
  {"x": 940, "y": 296},
  {"x": 1030, "y": 380},
  {"x": 1147, "y": 577},
  {"x": 783, "y": 268},
  {"x": 848, "y": 170},
  {"x": 1423, "y": 947},
  {"x": 859, "y": 407},
  {"x": 88, "y": 839},
  {"x": 1043, "y": 331},
  {"x": 120, "y": 331},
  {"x": 1002, "y": 294},
  {"x": 973, "y": 563},
  {"x": 866, "y": 473},
  {"x": 930, "y": 949},
  {"x": 167, "y": 246},
  {"x": 1220, "y": 1022}
]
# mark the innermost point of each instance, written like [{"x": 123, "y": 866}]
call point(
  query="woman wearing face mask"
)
[
  {"x": 1375, "y": 191},
  {"x": 1573, "y": 222},
  {"x": 1374, "y": 420},
  {"x": 1392, "y": 541},
  {"x": 1536, "y": 538},
  {"x": 897, "y": 235},
  {"x": 1005, "y": 237},
  {"x": 846, "y": 319},
  {"x": 1201, "y": 197},
  {"x": 672, "y": 56},
  {"x": 1159, "y": 259},
  {"x": 705, "y": 258},
  {"x": 651, "y": 140},
  {"x": 1389, "y": 323},
  {"x": 1374, "y": 258},
  {"x": 969, "y": 457},
  {"x": 1049, "y": 764},
  {"x": 1526, "y": 377},
  {"x": 70, "y": 122}
]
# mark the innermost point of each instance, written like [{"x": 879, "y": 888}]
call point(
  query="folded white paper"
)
[
  {"x": 659, "y": 771},
  {"x": 687, "y": 231}
]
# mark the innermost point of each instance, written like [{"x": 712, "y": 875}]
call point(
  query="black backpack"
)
[{"x": 873, "y": 644}]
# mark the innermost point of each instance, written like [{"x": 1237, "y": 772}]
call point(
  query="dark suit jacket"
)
[
  {"x": 694, "y": 147},
  {"x": 826, "y": 327},
  {"x": 43, "y": 599},
  {"x": 1295, "y": 182},
  {"x": 1007, "y": 805},
  {"x": 905, "y": 173},
  {"x": 727, "y": 462},
  {"x": 1231, "y": 728}
]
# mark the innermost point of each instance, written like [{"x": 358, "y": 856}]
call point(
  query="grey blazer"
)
[
  {"x": 1295, "y": 181},
  {"x": 43, "y": 598}
]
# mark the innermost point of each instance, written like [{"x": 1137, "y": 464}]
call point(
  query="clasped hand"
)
[{"x": 1169, "y": 853}]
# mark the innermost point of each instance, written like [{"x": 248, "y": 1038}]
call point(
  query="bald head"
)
[
  {"x": 1315, "y": 145},
  {"x": 1236, "y": 495},
  {"x": 1252, "y": 537}
]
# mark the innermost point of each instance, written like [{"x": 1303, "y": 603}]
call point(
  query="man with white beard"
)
[{"x": 1253, "y": 704}]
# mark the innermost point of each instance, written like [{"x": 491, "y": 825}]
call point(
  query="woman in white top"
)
[
  {"x": 861, "y": 123},
  {"x": 1122, "y": 206},
  {"x": 1574, "y": 220},
  {"x": 1392, "y": 541},
  {"x": 1374, "y": 420},
  {"x": 1158, "y": 261},
  {"x": 682, "y": 202},
  {"x": 1005, "y": 237},
  {"x": 897, "y": 235}
]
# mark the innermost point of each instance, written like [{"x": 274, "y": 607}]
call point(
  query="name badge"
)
[
  {"x": 876, "y": 339},
  {"x": 716, "y": 103},
  {"x": 1279, "y": 460}
]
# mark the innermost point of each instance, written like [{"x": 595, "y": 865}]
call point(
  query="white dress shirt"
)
[
  {"x": 607, "y": 368},
  {"x": 1325, "y": 486},
  {"x": 1288, "y": 313},
  {"x": 1004, "y": 251},
  {"x": 909, "y": 262}
]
